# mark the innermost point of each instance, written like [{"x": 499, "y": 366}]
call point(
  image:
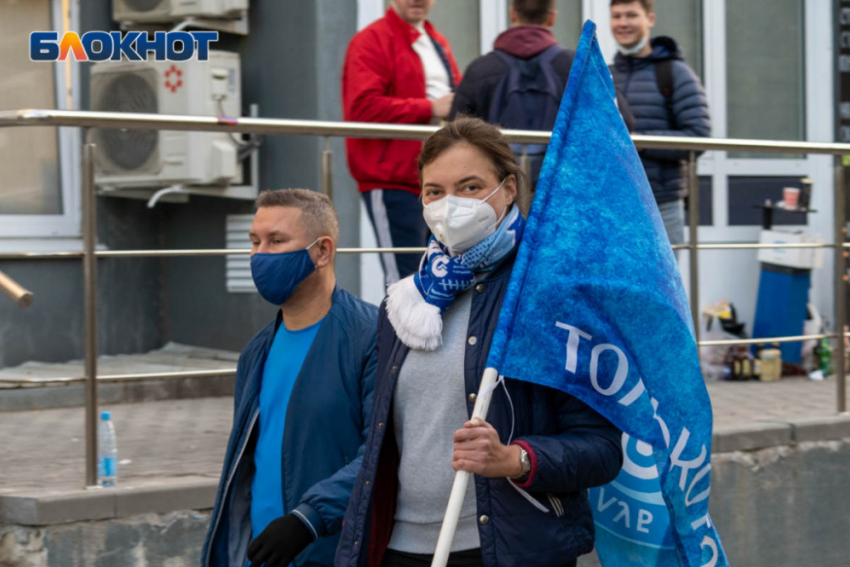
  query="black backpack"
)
[
  {"x": 664, "y": 78},
  {"x": 528, "y": 98}
]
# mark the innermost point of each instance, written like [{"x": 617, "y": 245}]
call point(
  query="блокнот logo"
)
[{"x": 115, "y": 45}]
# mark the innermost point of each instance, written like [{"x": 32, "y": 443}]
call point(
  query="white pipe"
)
[{"x": 447, "y": 532}]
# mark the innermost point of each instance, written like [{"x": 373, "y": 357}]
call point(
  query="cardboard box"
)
[{"x": 802, "y": 258}]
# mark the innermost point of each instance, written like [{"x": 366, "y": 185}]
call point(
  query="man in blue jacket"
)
[
  {"x": 302, "y": 399},
  {"x": 666, "y": 98}
]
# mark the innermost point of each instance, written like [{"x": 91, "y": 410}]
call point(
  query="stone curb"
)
[
  {"x": 765, "y": 434},
  {"x": 827, "y": 428},
  {"x": 750, "y": 437},
  {"x": 46, "y": 509},
  {"x": 52, "y": 397}
]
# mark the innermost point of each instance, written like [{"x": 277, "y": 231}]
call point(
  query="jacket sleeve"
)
[
  {"x": 586, "y": 452},
  {"x": 322, "y": 508},
  {"x": 464, "y": 101},
  {"x": 366, "y": 83},
  {"x": 690, "y": 107}
]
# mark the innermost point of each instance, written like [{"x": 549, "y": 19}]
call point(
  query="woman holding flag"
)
[{"x": 539, "y": 450}]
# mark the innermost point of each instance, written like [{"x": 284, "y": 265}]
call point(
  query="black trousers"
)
[
  {"x": 471, "y": 558},
  {"x": 396, "y": 216}
]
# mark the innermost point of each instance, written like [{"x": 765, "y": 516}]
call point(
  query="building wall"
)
[
  {"x": 291, "y": 68},
  {"x": 130, "y": 317}
]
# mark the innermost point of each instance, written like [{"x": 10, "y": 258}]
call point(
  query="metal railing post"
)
[
  {"x": 525, "y": 163},
  {"x": 693, "y": 242},
  {"x": 524, "y": 199},
  {"x": 328, "y": 170},
  {"x": 840, "y": 284},
  {"x": 90, "y": 306}
]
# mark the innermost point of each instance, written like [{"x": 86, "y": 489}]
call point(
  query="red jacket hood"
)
[{"x": 525, "y": 41}]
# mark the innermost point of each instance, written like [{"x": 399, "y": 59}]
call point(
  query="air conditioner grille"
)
[
  {"x": 143, "y": 5},
  {"x": 128, "y": 149}
]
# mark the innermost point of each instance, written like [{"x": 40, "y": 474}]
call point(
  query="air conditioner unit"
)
[
  {"x": 173, "y": 10},
  {"x": 142, "y": 159}
]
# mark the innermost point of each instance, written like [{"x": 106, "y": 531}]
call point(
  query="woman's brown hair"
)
[{"x": 488, "y": 139}]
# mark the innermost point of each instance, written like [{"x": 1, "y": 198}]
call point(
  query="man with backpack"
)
[
  {"x": 520, "y": 83},
  {"x": 667, "y": 99}
]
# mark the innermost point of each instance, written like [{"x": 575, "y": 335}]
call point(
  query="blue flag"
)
[{"x": 596, "y": 308}]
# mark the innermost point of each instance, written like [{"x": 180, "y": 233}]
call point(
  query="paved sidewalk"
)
[
  {"x": 741, "y": 403},
  {"x": 156, "y": 440},
  {"x": 181, "y": 438}
]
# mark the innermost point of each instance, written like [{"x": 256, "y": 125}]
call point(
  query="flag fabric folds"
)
[{"x": 596, "y": 308}]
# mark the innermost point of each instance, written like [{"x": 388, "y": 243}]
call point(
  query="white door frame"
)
[{"x": 61, "y": 231}]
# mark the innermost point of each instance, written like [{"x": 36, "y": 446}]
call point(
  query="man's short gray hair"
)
[{"x": 317, "y": 210}]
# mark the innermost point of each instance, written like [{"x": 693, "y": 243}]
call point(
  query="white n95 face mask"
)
[{"x": 462, "y": 222}]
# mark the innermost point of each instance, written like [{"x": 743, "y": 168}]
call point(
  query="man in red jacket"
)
[{"x": 397, "y": 70}]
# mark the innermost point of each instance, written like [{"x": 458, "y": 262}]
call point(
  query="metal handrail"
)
[
  {"x": 766, "y": 341},
  {"x": 88, "y": 119},
  {"x": 115, "y": 378},
  {"x": 16, "y": 382},
  {"x": 415, "y": 250},
  {"x": 15, "y": 291},
  {"x": 284, "y": 126}
]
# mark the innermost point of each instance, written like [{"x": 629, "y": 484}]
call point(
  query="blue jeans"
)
[{"x": 673, "y": 215}]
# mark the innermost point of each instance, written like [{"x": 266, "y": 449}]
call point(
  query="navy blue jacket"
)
[
  {"x": 326, "y": 424},
  {"x": 572, "y": 448},
  {"x": 635, "y": 78}
]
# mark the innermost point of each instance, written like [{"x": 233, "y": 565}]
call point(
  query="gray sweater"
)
[{"x": 429, "y": 405}]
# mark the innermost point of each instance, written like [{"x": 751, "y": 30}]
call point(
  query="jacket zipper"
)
[
  {"x": 557, "y": 507},
  {"x": 233, "y": 472}
]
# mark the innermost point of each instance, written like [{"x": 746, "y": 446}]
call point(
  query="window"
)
[
  {"x": 765, "y": 57},
  {"x": 29, "y": 157},
  {"x": 459, "y": 21},
  {"x": 36, "y": 189},
  {"x": 682, "y": 20}
]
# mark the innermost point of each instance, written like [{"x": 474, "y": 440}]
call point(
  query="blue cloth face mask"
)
[{"x": 277, "y": 276}]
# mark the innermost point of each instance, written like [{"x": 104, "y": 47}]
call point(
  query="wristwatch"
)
[{"x": 525, "y": 463}]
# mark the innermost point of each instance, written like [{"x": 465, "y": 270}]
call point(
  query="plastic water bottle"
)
[{"x": 107, "y": 455}]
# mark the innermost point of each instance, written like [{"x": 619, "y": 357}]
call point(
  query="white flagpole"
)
[{"x": 447, "y": 532}]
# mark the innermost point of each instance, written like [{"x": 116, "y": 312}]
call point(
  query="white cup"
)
[{"x": 791, "y": 196}]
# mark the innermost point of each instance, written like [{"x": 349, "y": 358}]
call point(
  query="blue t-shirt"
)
[{"x": 286, "y": 356}]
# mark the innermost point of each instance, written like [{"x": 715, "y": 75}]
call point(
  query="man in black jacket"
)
[
  {"x": 529, "y": 35},
  {"x": 487, "y": 90}
]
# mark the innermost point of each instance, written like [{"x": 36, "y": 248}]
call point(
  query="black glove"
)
[{"x": 279, "y": 543}]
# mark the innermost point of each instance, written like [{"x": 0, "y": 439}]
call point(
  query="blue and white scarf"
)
[{"x": 415, "y": 305}]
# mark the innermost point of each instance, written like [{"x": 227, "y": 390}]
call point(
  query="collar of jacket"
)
[
  {"x": 404, "y": 28},
  {"x": 279, "y": 319},
  {"x": 525, "y": 41},
  {"x": 663, "y": 47},
  {"x": 503, "y": 267}
]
